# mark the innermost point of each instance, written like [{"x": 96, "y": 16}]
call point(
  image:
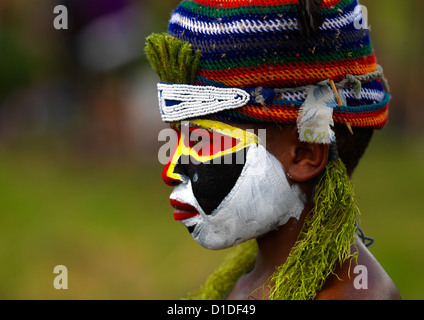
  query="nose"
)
[{"x": 169, "y": 176}]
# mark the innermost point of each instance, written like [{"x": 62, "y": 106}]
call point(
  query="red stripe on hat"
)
[
  {"x": 291, "y": 75},
  {"x": 231, "y": 4}
]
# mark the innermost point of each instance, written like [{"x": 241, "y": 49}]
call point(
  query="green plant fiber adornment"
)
[
  {"x": 326, "y": 239},
  {"x": 220, "y": 282},
  {"x": 173, "y": 60}
]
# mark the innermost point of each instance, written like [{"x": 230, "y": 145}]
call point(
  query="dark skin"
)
[{"x": 303, "y": 162}]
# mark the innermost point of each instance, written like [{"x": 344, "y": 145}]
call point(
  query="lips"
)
[{"x": 183, "y": 211}]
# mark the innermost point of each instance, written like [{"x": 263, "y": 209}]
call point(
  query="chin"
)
[{"x": 215, "y": 240}]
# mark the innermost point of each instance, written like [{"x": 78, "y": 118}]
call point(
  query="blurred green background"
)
[{"x": 80, "y": 182}]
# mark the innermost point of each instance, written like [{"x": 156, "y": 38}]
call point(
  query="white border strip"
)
[{"x": 254, "y": 26}]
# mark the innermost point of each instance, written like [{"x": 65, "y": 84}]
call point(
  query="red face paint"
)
[
  {"x": 183, "y": 211},
  {"x": 211, "y": 155}
]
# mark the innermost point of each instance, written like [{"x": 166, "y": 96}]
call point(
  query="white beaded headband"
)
[{"x": 179, "y": 102}]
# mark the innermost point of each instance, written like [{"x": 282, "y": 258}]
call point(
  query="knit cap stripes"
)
[{"x": 257, "y": 43}]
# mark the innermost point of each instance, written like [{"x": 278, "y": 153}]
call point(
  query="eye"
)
[
  {"x": 176, "y": 126},
  {"x": 195, "y": 139},
  {"x": 198, "y": 135}
]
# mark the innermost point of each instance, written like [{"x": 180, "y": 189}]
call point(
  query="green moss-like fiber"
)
[
  {"x": 173, "y": 60},
  {"x": 239, "y": 262},
  {"x": 326, "y": 239}
]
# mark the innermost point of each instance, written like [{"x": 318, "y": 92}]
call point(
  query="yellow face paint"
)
[{"x": 217, "y": 139}]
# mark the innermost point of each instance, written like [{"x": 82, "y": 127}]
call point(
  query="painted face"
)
[{"x": 228, "y": 187}]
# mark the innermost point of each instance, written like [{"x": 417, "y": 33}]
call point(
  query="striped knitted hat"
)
[{"x": 258, "y": 44}]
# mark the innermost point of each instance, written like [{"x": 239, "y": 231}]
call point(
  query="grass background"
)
[{"x": 110, "y": 223}]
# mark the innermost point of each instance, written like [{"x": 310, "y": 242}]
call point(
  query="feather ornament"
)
[{"x": 316, "y": 115}]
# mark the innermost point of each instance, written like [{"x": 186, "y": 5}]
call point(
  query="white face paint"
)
[{"x": 260, "y": 201}]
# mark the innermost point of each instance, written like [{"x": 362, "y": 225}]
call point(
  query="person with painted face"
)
[{"x": 273, "y": 104}]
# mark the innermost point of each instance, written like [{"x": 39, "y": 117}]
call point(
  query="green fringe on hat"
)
[{"x": 173, "y": 60}]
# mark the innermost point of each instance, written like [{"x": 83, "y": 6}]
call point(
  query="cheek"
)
[
  {"x": 262, "y": 198},
  {"x": 260, "y": 201},
  {"x": 212, "y": 182}
]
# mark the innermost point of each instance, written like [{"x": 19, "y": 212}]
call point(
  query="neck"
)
[
  {"x": 274, "y": 248},
  {"x": 272, "y": 252}
]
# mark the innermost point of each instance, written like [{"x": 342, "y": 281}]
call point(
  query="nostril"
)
[
  {"x": 175, "y": 183},
  {"x": 176, "y": 173},
  {"x": 170, "y": 179}
]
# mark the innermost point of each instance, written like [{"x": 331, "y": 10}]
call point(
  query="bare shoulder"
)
[{"x": 368, "y": 281}]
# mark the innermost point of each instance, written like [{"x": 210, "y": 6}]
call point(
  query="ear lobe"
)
[{"x": 308, "y": 160}]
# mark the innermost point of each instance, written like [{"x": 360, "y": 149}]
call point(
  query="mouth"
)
[{"x": 183, "y": 211}]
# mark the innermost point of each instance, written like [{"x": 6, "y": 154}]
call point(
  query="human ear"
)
[
  {"x": 301, "y": 161},
  {"x": 307, "y": 160}
]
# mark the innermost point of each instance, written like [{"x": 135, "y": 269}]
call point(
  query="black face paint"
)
[{"x": 212, "y": 182}]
